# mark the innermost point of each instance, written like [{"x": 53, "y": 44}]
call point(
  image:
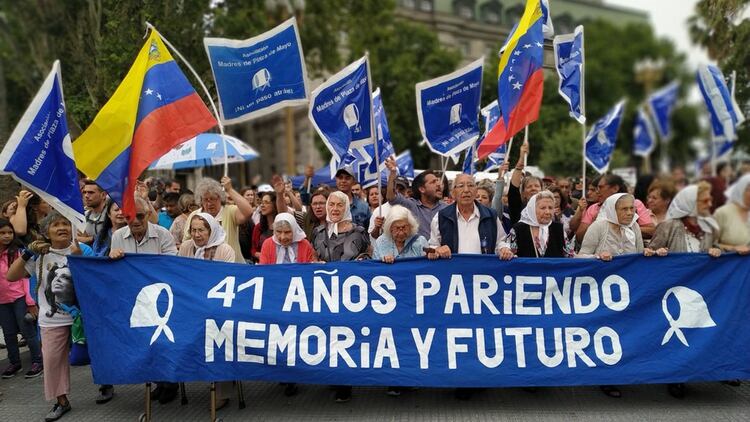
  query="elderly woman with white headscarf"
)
[
  {"x": 288, "y": 243},
  {"x": 208, "y": 240},
  {"x": 734, "y": 218},
  {"x": 536, "y": 235},
  {"x": 689, "y": 226},
  {"x": 340, "y": 239},
  {"x": 400, "y": 238},
  {"x": 615, "y": 232}
]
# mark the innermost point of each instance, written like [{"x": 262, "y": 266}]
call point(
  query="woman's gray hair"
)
[
  {"x": 545, "y": 194},
  {"x": 625, "y": 196},
  {"x": 396, "y": 213},
  {"x": 207, "y": 187},
  {"x": 47, "y": 221},
  {"x": 281, "y": 225}
]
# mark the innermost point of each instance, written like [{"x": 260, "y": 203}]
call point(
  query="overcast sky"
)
[{"x": 669, "y": 19}]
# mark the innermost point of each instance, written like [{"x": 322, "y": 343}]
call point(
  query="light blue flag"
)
[
  {"x": 405, "y": 164},
  {"x": 259, "y": 75},
  {"x": 491, "y": 115},
  {"x": 569, "y": 61},
  {"x": 39, "y": 153},
  {"x": 600, "y": 142},
  {"x": 448, "y": 109},
  {"x": 662, "y": 103},
  {"x": 644, "y": 138},
  {"x": 723, "y": 109},
  {"x": 341, "y": 109},
  {"x": 385, "y": 146}
]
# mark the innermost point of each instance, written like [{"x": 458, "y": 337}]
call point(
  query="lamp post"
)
[
  {"x": 648, "y": 72},
  {"x": 277, "y": 12}
]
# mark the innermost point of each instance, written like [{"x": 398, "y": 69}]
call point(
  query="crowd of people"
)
[{"x": 274, "y": 223}]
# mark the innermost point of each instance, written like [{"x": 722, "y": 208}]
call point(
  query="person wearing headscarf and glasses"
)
[
  {"x": 734, "y": 218},
  {"x": 537, "y": 234}
]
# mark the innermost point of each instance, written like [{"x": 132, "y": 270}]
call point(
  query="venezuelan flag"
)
[
  {"x": 154, "y": 109},
  {"x": 520, "y": 81}
]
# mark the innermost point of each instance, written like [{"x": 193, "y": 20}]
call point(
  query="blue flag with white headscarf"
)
[
  {"x": 405, "y": 164},
  {"x": 600, "y": 142},
  {"x": 723, "y": 109},
  {"x": 662, "y": 103},
  {"x": 644, "y": 138},
  {"x": 569, "y": 61},
  {"x": 39, "y": 153}
]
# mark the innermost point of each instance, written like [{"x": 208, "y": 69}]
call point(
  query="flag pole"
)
[
  {"x": 526, "y": 142},
  {"x": 583, "y": 113},
  {"x": 374, "y": 134},
  {"x": 205, "y": 91}
]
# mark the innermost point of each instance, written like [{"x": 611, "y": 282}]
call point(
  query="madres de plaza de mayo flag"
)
[
  {"x": 493, "y": 144},
  {"x": 602, "y": 138},
  {"x": 39, "y": 153},
  {"x": 569, "y": 61},
  {"x": 470, "y": 320},
  {"x": 448, "y": 109},
  {"x": 259, "y": 75},
  {"x": 644, "y": 138},
  {"x": 662, "y": 103},
  {"x": 153, "y": 110},
  {"x": 341, "y": 109},
  {"x": 405, "y": 164},
  {"x": 726, "y": 115}
]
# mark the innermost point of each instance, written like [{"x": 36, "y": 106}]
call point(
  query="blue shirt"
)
[
  {"x": 165, "y": 220},
  {"x": 360, "y": 213},
  {"x": 413, "y": 247}
]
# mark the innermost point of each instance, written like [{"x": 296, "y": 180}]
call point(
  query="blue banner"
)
[
  {"x": 470, "y": 320},
  {"x": 39, "y": 153},
  {"x": 448, "y": 109},
  {"x": 385, "y": 146},
  {"x": 341, "y": 109},
  {"x": 644, "y": 138},
  {"x": 491, "y": 115},
  {"x": 259, "y": 75},
  {"x": 662, "y": 103},
  {"x": 569, "y": 61},
  {"x": 601, "y": 139}
]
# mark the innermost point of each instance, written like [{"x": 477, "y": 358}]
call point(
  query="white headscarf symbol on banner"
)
[
  {"x": 146, "y": 311},
  {"x": 693, "y": 313}
]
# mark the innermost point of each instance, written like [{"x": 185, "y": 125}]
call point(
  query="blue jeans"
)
[{"x": 12, "y": 320}]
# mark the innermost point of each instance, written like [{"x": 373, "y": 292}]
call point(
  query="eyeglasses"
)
[
  {"x": 461, "y": 186},
  {"x": 140, "y": 216},
  {"x": 402, "y": 228}
]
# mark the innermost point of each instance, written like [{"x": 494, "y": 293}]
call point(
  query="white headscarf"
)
[
  {"x": 216, "y": 237},
  {"x": 297, "y": 235},
  {"x": 736, "y": 192},
  {"x": 685, "y": 204},
  {"x": 528, "y": 216},
  {"x": 333, "y": 228},
  {"x": 608, "y": 211}
]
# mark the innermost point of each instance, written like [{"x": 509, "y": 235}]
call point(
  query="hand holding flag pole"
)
[{"x": 203, "y": 86}]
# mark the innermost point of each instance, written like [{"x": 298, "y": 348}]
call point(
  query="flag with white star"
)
[{"x": 520, "y": 81}]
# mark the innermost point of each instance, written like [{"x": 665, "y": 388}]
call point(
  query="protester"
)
[
  {"x": 660, "y": 194},
  {"x": 345, "y": 180},
  {"x": 9, "y": 209},
  {"x": 264, "y": 229},
  {"x": 31, "y": 209},
  {"x": 113, "y": 221},
  {"x": 171, "y": 209},
  {"x": 358, "y": 192},
  {"x": 537, "y": 235},
  {"x": 47, "y": 260},
  {"x": 16, "y": 306},
  {"x": 734, "y": 218},
  {"x": 187, "y": 205},
  {"x": 172, "y": 186},
  {"x": 210, "y": 195},
  {"x": 207, "y": 242},
  {"x": 373, "y": 194},
  {"x": 379, "y": 212},
  {"x": 400, "y": 237},
  {"x": 610, "y": 184},
  {"x": 340, "y": 240},
  {"x": 142, "y": 236},
  {"x": 521, "y": 188},
  {"x": 562, "y": 212},
  {"x": 94, "y": 199},
  {"x": 485, "y": 194},
  {"x": 592, "y": 197},
  {"x": 288, "y": 244},
  {"x": 427, "y": 190}
]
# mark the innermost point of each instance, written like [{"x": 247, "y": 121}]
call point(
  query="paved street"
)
[{"x": 23, "y": 400}]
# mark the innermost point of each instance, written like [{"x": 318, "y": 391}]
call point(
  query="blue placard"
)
[
  {"x": 448, "y": 109},
  {"x": 341, "y": 109},
  {"x": 569, "y": 61},
  {"x": 601, "y": 139},
  {"x": 259, "y": 75},
  {"x": 471, "y": 320}
]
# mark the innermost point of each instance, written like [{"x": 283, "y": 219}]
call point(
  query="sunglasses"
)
[{"x": 140, "y": 216}]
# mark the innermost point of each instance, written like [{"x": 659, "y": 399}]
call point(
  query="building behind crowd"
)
[{"x": 473, "y": 27}]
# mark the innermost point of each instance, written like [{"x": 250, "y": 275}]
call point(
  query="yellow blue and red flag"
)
[
  {"x": 520, "y": 81},
  {"x": 154, "y": 109}
]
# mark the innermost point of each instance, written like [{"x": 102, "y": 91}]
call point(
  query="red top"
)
[{"x": 268, "y": 252}]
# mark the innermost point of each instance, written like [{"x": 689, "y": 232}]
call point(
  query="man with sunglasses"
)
[{"x": 142, "y": 236}]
